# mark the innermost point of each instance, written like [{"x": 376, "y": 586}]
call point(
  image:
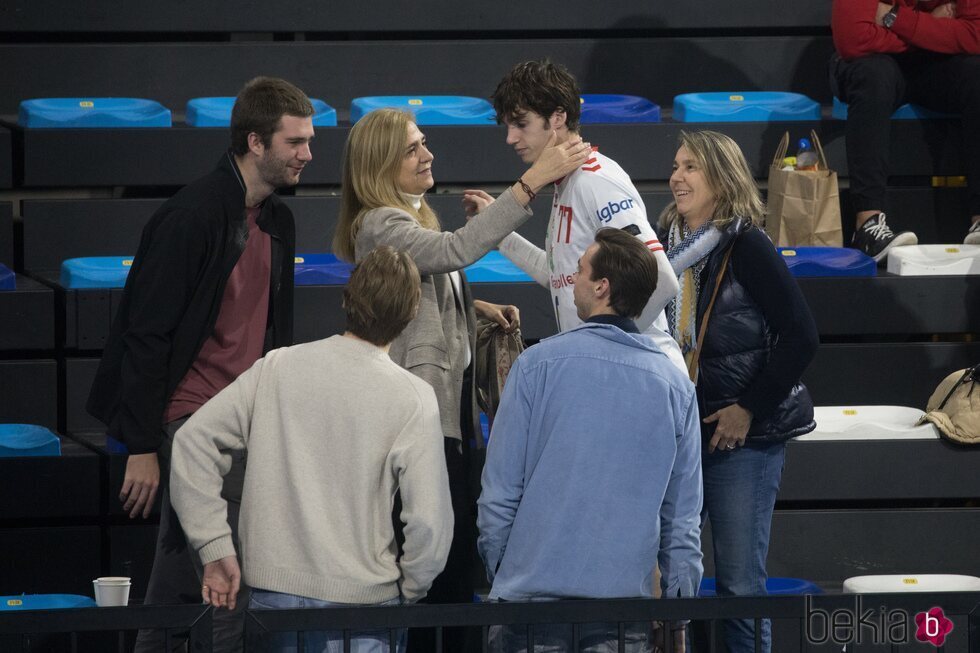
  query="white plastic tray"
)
[
  {"x": 911, "y": 583},
  {"x": 923, "y": 260},
  {"x": 869, "y": 423}
]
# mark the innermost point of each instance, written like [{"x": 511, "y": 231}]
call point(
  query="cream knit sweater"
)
[{"x": 332, "y": 428}]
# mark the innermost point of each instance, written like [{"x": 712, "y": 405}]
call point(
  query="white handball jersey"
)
[{"x": 599, "y": 194}]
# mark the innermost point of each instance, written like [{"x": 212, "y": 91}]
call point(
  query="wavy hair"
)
[
  {"x": 727, "y": 174},
  {"x": 372, "y": 159}
]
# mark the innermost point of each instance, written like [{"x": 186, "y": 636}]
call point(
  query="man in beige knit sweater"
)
[{"x": 332, "y": 429}]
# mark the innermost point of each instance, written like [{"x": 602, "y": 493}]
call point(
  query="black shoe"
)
[{"x": 875, "y": 238}]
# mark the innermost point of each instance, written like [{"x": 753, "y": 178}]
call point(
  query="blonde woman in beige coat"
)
[{"x": 387, "y": 169}]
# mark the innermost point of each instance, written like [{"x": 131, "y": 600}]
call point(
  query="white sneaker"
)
[{"x": 973, "y": 235}]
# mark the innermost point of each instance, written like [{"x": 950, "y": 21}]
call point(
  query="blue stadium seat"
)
[
  {"x": 8, "y": 281},
  {"x": 45, "y": 602},
  {"x": 828, "y": 262},
  {"x": 95, "y": 272},
  {"x": 495, "y": 268},
  {"x": 114, "y": 446},
  {"x": 774, "y": 586},
  {"x": 904, "y": 112},
  {"x": 72, "y": 112},
  {"x": 321, "y": 270},
  {"x": 751, "y": 106},
  {"x": 618, "y": 108},
  {"x": 18, "y": 440},
  {"x": 429, "y": 109},
  {"x": 216, "y": 112}
]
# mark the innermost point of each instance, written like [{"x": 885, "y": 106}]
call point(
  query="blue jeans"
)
[
  {"x": 557, "y": 638},
  {"x": 325, "y": 641},
  {"x": 739, "y": 494}
]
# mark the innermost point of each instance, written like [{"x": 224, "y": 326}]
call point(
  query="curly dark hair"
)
[{"x": 539, "y": 86}]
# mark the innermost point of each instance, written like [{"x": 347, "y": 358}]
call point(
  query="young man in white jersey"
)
[{"x": 535, "y": 100}]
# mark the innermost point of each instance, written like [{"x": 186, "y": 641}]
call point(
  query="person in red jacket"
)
[{"x": 925, "y": 52}]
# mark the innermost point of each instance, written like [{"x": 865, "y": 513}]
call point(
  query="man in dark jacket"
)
[{"x": 210, "y": 291}]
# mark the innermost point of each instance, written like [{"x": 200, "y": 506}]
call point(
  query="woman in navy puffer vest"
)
[{"x": 759, "y": 339}]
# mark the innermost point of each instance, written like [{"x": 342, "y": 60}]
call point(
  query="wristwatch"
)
[{"x": 889, "y": 19}]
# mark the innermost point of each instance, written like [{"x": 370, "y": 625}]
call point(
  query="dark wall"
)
[{"x": 335, "y": 16}]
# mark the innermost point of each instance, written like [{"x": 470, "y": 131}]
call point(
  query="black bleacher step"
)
[
  {"x": 79, "y": 375},
  {"x": 6, "y": 159},
  {"x": 892, "y": 304},
  {"x": 51, "y": 487},
  {"x": 29, "y": 392},
  {"x": 50, "y": 560},
  {"x": 55, "y": 230},
  {"x": 857, "y": 306},
  {"x": 892, "y": 374},
  {"x": 869, "y": 470},
  {"x": 176, "y": 156},
  {"x": 837, "y": 544},
  {"x": 6, "y": 230},
  {"x": 28, "y": 321}
]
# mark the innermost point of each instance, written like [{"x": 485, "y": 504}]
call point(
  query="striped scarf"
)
[{"x": 688, "y": 254}]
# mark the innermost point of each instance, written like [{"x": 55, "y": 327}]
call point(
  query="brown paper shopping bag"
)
[{"x": 804, "y": 205}]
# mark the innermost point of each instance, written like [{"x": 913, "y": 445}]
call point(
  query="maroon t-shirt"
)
[{"x": 239, "y": 332}]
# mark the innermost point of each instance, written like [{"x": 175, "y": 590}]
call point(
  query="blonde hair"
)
[
  {"x": 371, "y": 162},
  {"x": 727, "y": 174}
]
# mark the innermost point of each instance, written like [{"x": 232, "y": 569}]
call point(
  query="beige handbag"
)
[{"x": 955, "y": 407}]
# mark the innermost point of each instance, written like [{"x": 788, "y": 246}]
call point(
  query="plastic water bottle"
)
[{"x": 806, "y": 157}]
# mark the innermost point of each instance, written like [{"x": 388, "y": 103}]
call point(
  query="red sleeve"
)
[
  {"x": 960, "y": 35},
  {"x": 855, "y": 31}
]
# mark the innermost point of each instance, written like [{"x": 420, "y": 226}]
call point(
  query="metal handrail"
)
[
  {"x": 195, "y": 619},
  {"x": 618, "y": 611}
]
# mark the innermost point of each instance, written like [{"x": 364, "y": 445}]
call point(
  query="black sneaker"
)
[{"x": 875, "y": 238}]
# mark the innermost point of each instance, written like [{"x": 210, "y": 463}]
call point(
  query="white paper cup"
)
[{"x": 111, "y": 591}]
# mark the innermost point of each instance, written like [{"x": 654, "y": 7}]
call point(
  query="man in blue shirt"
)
[{"x": 593, "y": 466}]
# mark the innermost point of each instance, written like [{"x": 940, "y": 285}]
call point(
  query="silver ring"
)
[{"x": 730, "y": 446}]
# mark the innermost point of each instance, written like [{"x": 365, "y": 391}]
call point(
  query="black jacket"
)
[
  {"x": 172, "y": 298},
  {"x": 740, "y": 345}
]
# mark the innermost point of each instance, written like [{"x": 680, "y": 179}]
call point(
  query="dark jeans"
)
[
  {"x": 875, "y": 85},
  {"x": 177, "y": 570},
  {"x": 454, "y": 584}
]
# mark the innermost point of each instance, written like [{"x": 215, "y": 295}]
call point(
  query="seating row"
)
[
  {"x": 91, "y": 272},
  {"x": 729, "y": 106}
]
